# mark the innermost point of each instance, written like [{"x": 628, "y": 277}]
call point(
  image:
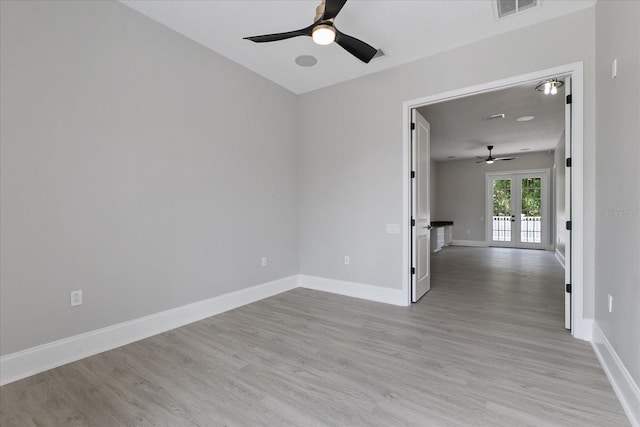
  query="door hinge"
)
[
  {"x": 568, "y": 225},
  {"x": 413, "y": 222},
  {"x": 413, "y": 174},
  {"x": 568, "y": 162},
  {"x": 413, "y": 126},
  {"x": 569, "y": 99},
  {"x": 568, "y": 288},
  {"x": 413, "y": 270}
]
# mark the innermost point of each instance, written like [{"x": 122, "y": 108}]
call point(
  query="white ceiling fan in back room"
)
[
  {"x": 489, "y": 160},
  {"x": 324, "y": 32}
]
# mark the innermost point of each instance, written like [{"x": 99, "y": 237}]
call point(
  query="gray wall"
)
[
  {"x": 433, "y": 190},
  {"x": 151, "y": 172},
  {"x": 350, "y": 184},
  {"x": 136, "y": 165},
  {"x": 618, "y": 194},
  {"x": 559, "y": 166},
  {"x": 462, "y": 187}
]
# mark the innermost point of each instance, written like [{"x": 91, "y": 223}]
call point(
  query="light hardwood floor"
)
[{"x": 486, "y": 346}]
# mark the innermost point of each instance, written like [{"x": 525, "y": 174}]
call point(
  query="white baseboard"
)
[
  {"x": 29, "y": 362},
  {"x": 623, "y": 384},
  {"x": 560, "y": 258},
  {"x": 356, "y": 290},
  {"x": 477, "y": 243}
]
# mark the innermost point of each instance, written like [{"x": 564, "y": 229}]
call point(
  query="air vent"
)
[
  {"x": 495, "y": 116},
  {"x": 505, "y": 8},
  {"x": 379, "y": 54}
]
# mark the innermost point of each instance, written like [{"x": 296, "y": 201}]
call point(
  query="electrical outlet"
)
[
  {"x": 264, "y": 261},
  {"x": 610, "y": 303},
  {"x": 76, "y": 298},
  {"x": 347, "y": 261}
]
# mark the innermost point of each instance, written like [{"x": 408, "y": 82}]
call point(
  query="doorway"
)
[
  {"x": 575, "y": 265},
  {"x": 518, "y": 209}
]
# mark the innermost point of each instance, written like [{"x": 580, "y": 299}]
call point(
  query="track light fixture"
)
[{"x": 550, "y": 87}]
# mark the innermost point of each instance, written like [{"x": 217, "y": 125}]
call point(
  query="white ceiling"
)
[
  {"x": 459, "y": 127},
  {"x": 405, "y": 30}
]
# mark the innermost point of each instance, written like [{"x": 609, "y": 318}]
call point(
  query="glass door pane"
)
[
  {"x": 531, "y": 210},
  {"x": 502, "y": 213}
]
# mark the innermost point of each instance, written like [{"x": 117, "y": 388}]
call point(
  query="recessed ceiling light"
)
[
  {"x": 306, "y": 61},
  {"x": 525, "y": 118}
]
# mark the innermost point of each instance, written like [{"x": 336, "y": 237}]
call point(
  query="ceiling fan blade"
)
[
  {"x": 281, "y": 36},
  {"x": 332, "y": 8},
  {"x": 357, "y": 48},
  {"x": 505, "y": 158}
]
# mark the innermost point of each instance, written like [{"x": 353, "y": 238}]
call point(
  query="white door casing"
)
[
  {"x": 580, "y": 325},
  {"x": 421, "y": 218},
  {"x": 567, "y": 206}
]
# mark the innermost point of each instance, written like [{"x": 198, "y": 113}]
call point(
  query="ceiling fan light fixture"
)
[
  {"x": 323, "y": 34},
  {"x": 490, "y": 160}
]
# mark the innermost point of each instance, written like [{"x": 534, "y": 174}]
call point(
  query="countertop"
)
[{"x": 441, "y": 223}]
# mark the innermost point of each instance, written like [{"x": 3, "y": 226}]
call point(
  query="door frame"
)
[
  {"x": 545, "y": 205},
  {"x": 580, "y": 327}
]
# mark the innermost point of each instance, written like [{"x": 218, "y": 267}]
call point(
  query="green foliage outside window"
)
[
  {"x": 531, "y": 197},
  {"x": 502, "y": 197}
]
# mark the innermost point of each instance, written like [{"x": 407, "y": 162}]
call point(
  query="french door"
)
[{"x": 517, "y": 211}]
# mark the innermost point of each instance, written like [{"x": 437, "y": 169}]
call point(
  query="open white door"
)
[
  {"x": 567, "y": 205},
  {"x": 421, "y": 218}
]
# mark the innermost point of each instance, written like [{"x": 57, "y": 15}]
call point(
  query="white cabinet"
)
[
  {"x": 441, "y": 235},
  {"x": 437, "y": 238},
  {"x": 448, "y": 235}
]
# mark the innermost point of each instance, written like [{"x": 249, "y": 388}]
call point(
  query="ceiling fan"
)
[
  {"x": 324, "y": 32},
  {"x": 489, "y": 160}
]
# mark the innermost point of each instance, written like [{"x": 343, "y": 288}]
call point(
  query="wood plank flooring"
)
[{"x": 485, "y": 347}]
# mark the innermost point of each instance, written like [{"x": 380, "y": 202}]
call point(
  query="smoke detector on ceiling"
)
[{"x": 506, "y": 8}]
